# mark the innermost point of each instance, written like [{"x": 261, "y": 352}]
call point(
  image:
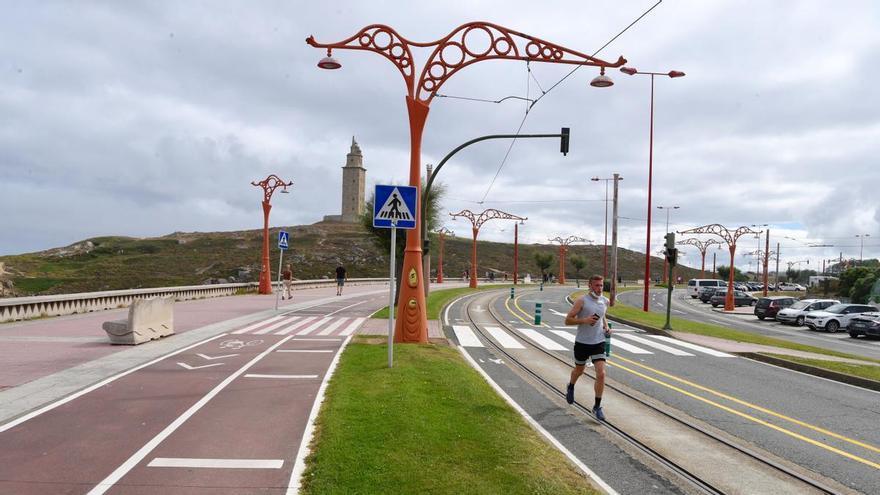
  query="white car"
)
[
  {"x": 835, "y": 317},
  {"x": 797, "y": 312},
  {"x": 790, "y": 286}
]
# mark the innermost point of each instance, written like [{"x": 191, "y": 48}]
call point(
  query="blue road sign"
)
[
  {"x": 394, "y": 203},
  {"x": 283, "y": 240}
]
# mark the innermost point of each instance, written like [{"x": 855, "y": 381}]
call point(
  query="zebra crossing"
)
[
  {"x": 321, "y": 326},
  {"x": 625, "y": 341}
]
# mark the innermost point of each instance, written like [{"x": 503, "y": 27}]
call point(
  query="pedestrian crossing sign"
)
[
  {"x": 394, "y": 204},
  {"x": 283, "y": 240}
]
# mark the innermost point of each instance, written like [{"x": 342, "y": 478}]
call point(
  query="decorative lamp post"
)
[
  {"x": 269, "y": 184},
  {"x": 730, "y": 238},
  {"x": 672, "y": 74},
  {"x": 701, "y": 247},
  {"x": 563, "y": 248},
  {"x": 477, "y": 220},
  {"x": 441, "y": 233},
  {"x": 668, "y": 209},
  {"x": 605, "y": 247},
  {"x": 449, "y": 54}
]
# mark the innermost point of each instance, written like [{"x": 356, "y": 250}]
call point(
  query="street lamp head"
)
[
  {"x": 595, "y": 179},
  {"x": 601, "y": 81},
  {"x": 629, "y": 70},
  {"x": 285, "y": 191},
  {"x": 329, "y": 62},
  {"x": 675, "y": 73}
]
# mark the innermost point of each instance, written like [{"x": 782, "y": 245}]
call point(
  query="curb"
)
[
  {"x": 640, "y": 326},
  {"x": 812, "y": 370}
]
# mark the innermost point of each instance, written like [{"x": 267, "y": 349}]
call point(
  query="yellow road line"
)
[
  {"x": 754, "y": 406},
  {"x": 751, "y": 418},
  {"x": 507, "y": 306},
  {"x": 516, "y": 303}
]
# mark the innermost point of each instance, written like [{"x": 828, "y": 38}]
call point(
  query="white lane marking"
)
[
  {"x": 557, "y": 313},
  {"x": 500, "y": 391},
  {"x": 315, "y": 340},
  {"x": 466, "y": 336},
  {"x": 198, "y": 367},
  {"x": 100, "y": 384},
  {"x": 695, "y": 347},
  {"x": 618, "y": 344},
  {"x": 541, "y": 340},
  {"x": 211, "y": 358},
  {"x": 332, "y": 326},
  {"x": 117, "y": 474},
  {"x": 657, "y": 345},
  {"x": 179, "y": 462},
  {"x": 256, "y": 325},
  {"x": 503, "y": 338},
  {"x": 283, "y": 377},
  {"x": 287, "y": 330},
  {"x": 349, "y": 306},
  {"x": 305, "y": 350},
  {"x": 299, "y": 464},
  {"x": 565, "y": 335},
  {"x": 314, "y": 326},
  {"x": 352, "y": 327},
  {"x": 273, "y": 326}
]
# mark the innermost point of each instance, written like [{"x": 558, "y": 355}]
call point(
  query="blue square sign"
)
[
  {"x": 395, "y": 204},
  {"x": 283, "y": 240}
]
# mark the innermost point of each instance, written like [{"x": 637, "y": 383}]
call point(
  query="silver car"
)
[
  {"x": 796, "y": 313},
  {"x": 836, "y": 317}
]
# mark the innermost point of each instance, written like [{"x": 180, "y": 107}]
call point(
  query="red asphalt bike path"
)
[{"x": 239, "y": 399}]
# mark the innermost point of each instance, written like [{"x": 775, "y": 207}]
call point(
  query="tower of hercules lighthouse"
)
[{"x": 353, "y": 184}]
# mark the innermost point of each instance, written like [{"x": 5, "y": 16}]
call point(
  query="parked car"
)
[
  {"x": 797, "y": 312},
  {"x": 696, "y": 284},
  {"x": 706, "y": 293},
  {"x": 835, "y": 317},
  {"x": 791, "y": 287},
  {"x": 865, "y": 324},
  {"x": 767, "y": 307},
  {"x": 740, "y": 298}
]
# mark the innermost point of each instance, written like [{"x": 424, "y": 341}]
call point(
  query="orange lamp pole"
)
[
  {"x": 701, "y": 246},
  {"x": 563, "y": 248},
  {"x": 477, "y": 220},
  {"x": 269, "y": 184},
  {"x": 455, "y": 51},
  {"x": 730, "y": 238},
  {"x": 441, "y": 234}
]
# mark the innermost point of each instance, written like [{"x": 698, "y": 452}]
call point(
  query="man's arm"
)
[{"x": 571, "y": 318}]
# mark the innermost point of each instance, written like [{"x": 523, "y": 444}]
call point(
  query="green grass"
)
[
  {"x": 871, "y": 372},
  {"x": 36, "y": 285},
  {"x": 438, "y": 299},
  {"x": 430, "y": 424}
]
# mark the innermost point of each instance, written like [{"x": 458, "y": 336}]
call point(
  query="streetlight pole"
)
[
  {"x": 605, "y": 244},
  {"x": 614, "y": 274},
  {"x": 730, "y": 238},
  {"x": 665, "y": 262},
  {"x": 450, "y": 54},
  {"x": 672, "y": 74},
  {"x": 269, "y": 184},
  {"x": 563, "y": 248},
  {"x": 477, "y": 220},
  {"x": 861, "y": 238},
  {"x": 516, "y": 251},
  {"x": 441, "y": 233}
]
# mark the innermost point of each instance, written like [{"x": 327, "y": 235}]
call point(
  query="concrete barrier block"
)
[{"x": 148, "y": 319}]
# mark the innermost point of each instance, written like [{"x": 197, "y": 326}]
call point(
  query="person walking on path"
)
[
  {"x": 340, "y": 279},
  {"x": 588, "y": 313},
  {"x": 287, "y": 280}
]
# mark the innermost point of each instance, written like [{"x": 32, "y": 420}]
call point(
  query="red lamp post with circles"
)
[
  {"x": 269, "y": 184},
  {"x": 730, "y": 238},
  {"x": 477, "y": 220},
  {"x": 563, "y": 248},
  {"x": 465, "y": 45},
  {"x": 441, "y": 233}
]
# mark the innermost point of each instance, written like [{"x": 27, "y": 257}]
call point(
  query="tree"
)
[
  {"x": 578, "y": 263},
  {"x": 738, "y": 276},
  {"x": 849, "y": 278},
  {"x": 861, "y": 289},
  {"x": 543, "y": 260}
]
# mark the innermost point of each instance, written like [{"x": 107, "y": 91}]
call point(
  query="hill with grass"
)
[{"x": 195, "y": 258}]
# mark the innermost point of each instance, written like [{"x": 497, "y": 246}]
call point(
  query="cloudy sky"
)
[{"x": 142, "y": 118}]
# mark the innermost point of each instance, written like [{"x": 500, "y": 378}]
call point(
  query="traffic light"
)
[
  {"x": 670, "y": 240},
  {"x": 563, "y": 142},
  {"x": 671, "y": 251}
]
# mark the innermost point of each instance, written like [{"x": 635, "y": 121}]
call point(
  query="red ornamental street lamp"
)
[
  {"x": 465, "y": 45},
  {"x": 701, "y": 246},
  {"x": 269, "y": 184},
  {"x": 563, "y": 248},
  {"x": 730, "y": 238},
  {"x": 477, "y": 220},
  {"x": 441, "y": 233},
  {"x": 673, "y": 73}
]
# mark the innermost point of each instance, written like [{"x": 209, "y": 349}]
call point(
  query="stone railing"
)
[{"x": 24, "y": 308}]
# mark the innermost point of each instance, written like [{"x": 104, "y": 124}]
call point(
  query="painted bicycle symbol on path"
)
[{"x": 238, "y": 344}]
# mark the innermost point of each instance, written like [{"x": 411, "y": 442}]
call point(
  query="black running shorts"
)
[{"x": 591, "y": 352}]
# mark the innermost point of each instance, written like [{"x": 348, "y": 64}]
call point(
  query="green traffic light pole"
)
[
  {"x": 672, "y": 258},
  {"x": 563, "y": 148}
]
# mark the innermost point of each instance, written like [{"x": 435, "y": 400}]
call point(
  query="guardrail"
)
[{"x": 24, "y": 308}]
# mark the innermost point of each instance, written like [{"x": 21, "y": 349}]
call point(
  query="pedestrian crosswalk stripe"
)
[
  {"x": 287, "y": 330},
  {"x": 619, "y": 344},
  {"x": 504, "y": 338},
  {"x": 275, "y": 325},
  {"x": 541, "y": 340},
  {"x": 332, "y": 326},
  {"x": 466, "y": 336},
  {"x": 352, "y": 327},
  {"x": 256, "y": 325},
  {"x": 656, "y": 345},
  {"x": 314, "y": 326},
  {"x": 565, "y": 335},
  {"x": 695, "y": 347}
]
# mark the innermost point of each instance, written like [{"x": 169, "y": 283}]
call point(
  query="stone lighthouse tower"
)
[{"x": 353, "y": 184}]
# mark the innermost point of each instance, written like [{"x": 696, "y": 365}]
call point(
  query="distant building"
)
[{"x": 354, "y": 180}]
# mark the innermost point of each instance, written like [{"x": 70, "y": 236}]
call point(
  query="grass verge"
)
[
  {"x": 431, "y": 424},
  {"x": 871, "y": 372},
  {"x": 438, "y": 299}
]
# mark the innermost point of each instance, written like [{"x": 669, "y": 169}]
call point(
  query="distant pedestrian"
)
[
  {"x": 340, "y": 279},
  {"x": 588, "y": 313},
  {"x": 287, "y": 280}
]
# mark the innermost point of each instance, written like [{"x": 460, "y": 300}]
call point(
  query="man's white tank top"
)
[{"x": 592, "y": 334}]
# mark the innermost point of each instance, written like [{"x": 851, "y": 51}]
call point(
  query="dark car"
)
[
  {"x": 706, "y": 293},
  {"x": 767, "y": 307},
  {"x": 740, "y": 298},
  {"x": 865, "y": 324}
]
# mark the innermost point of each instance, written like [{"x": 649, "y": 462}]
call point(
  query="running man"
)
[
  {"x": 588, "y": 313},
  {"x": 340, "y": 279}
]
